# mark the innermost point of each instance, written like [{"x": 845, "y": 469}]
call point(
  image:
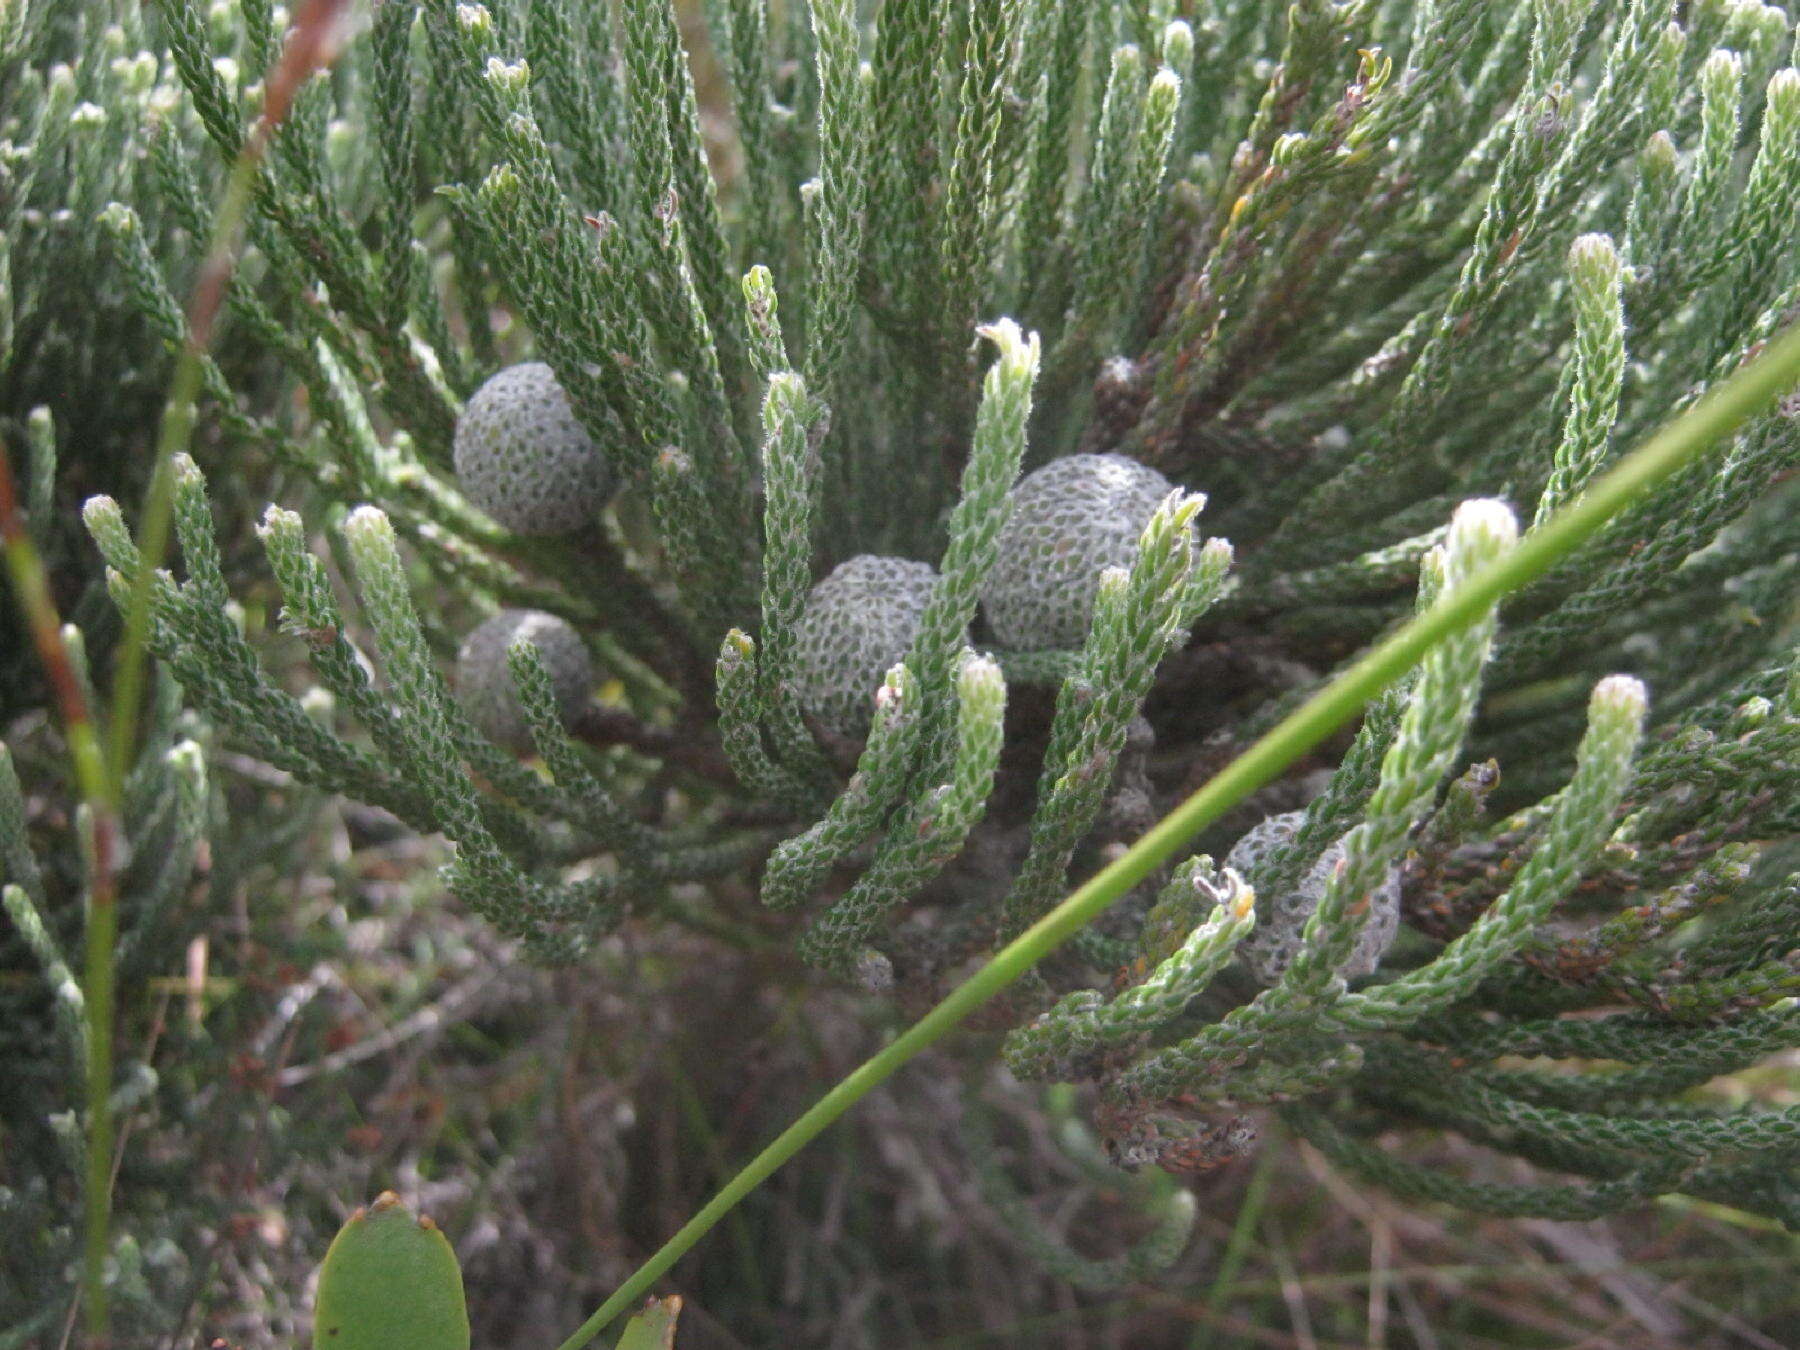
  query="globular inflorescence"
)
[
  {"x": 524, "y": 458},
  {"x": 484, "y": 679},
  {"x": 1282, "y": 916},
  {"x": 856, "y": 623},
  {"x": 1069, "y": 522}
]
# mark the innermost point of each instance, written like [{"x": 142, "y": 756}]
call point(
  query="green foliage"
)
[
  {"x": 185, "y": 862},
  {"x": 1377, "y": 282},
  {"x": 390, "y": 1282},
  {"x": 1170, "y": 1208},
  {"x": 88, "y": 113},
  {"x": 654, "y": 1328}
]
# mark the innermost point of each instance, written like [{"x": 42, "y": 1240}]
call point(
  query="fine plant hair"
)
[{"x": 1376, "y": 287}]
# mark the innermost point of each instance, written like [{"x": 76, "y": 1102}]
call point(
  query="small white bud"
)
[
  {"x": 1018, "y": 358},
  {"x": 978, "y": 677},
  {"x": 1593, "y": 252},
  {"x": 368, "y": 525},
  {"x": 1622, "y": 693},
  {"x": 1178, "y": 46},
  {"x": 136, "y": 73},
  {"x": 1485, "y": 522},
  {"x": 1784, "y": 92},
  {"x": 509, "y": 78}
]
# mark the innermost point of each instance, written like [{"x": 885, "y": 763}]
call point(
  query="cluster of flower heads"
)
[
  {"x": 523, "y": 457},
  {"x": 1067, "y": 523}
]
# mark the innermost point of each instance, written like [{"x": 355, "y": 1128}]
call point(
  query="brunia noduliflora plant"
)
[{"x": 1379, "y": 285}]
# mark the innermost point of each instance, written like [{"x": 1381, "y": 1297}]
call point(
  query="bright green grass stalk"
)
[{"x": 1710, "y": 420}]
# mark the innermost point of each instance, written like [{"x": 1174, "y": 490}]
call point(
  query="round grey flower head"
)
[
  {"x": 1280, "y": 919},
  {"x": 484, "y": 681},
  {"x": 857, "y": 622},
  {"x": 1070, "y": 521},
  {"x": 522, "y": 457}
]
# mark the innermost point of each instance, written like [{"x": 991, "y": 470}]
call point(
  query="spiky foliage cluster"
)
[
  {"x": 83, "y": 121},
  {"x": 80, "y": 109},
  {"x": 170, "y": 812},
  {"x": 1387, "y": 282}
]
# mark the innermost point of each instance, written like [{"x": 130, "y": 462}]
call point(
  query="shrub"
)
[{"x": 1380, "y": 287}]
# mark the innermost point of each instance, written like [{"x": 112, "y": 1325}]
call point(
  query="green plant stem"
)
[
  {"x": 1710, "y": 420},
  {"x": 100, "y": 793},
  {"x": 310, "y": 43},
  {"x": 174, "y": 432}
]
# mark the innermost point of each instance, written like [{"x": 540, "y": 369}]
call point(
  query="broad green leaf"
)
[{"x": 390, "y": 1282}]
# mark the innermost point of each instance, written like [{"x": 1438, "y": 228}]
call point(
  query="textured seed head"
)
[
  {"x": 484, "y": 681},
  {"x": 857, "y": 622},
  {"x": 523, "y": 458},
  {"x": 1070, "y": 521},
  {"x": 1280, "y": 919}
]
